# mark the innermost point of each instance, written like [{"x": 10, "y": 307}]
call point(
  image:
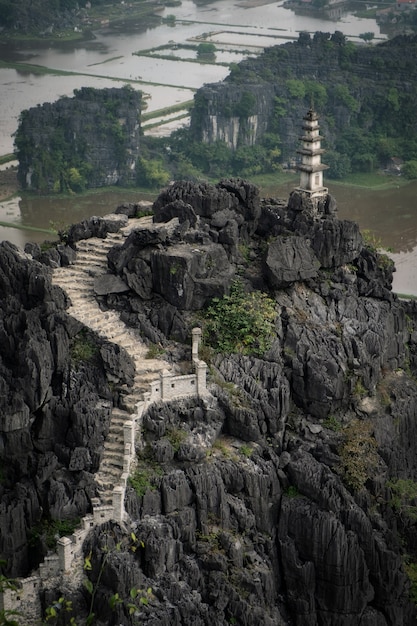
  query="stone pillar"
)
[
  {"x": 65, "y": 553},
  {"x": 129, "y": 441},
  {"x": 118, "y": 503},
  {"x": 201, "y": 371},
  {"x": 165, "y": 378},
  {"x": 196, "y": 333}
]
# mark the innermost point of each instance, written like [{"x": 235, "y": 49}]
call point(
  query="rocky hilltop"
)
[
  {"x": 359, "y": 90},
  {"x": 90, "y": 140},
  {"x": 280, "y": 498}
]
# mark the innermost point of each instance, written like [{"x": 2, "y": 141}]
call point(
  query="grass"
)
[
  {"x": 168, "y": 57},
  {"x": 274, "y": 179},
  {"x": 371, "y": 180},
  {"x": 167, "y": 110},
  {"x": 23, "y": 227},
  {"x": 145, "y": 477},
  {"x": 6, "y": 158}
]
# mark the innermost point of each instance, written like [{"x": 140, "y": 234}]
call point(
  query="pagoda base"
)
[
  {"x": 317, "y": 203},
  {"x": 313, "y": 193}
]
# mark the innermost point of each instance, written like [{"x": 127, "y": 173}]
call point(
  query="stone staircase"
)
[{"x": 77, "y": 281}]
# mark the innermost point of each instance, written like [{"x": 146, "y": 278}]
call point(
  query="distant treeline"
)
[{"x": 31, "y": 15}]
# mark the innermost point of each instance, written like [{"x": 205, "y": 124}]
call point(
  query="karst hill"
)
[
  {"x": 279, "y": 494},
  {"x": 247, "y": 123}
]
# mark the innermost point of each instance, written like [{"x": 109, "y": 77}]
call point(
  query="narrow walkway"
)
[{"x": 77, "y": 281}]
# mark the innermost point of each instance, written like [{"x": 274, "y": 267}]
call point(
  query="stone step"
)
[
  {"x": 114, "y": 463},
  {"x": 77, "y": 281},
  {"x": 114, "y": 449}
]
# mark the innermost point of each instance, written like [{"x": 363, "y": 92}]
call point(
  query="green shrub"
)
[
  {"x": 83, "y": 349},
  {"x": 241, "y": 322},
  {"x": 411, "y": 571},
  {"x": 332, "y": 423},
  {"x": 246, "y": 450},
  {"x": 358, "y": 454},
  {"x": 51, "y": 530},
  {"x": 175, "y": 437},
  {"x": 145, "y": 477},
  {"x": 404, "y": 498},
  {"x": 292, "y": 492}
]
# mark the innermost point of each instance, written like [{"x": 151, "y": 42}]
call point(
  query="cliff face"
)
[
  {"x": 272, "y": 502},
  {"x": 356, "y": 88},
  {"x": 91, "y": 140},
  {"x": 55, "y": 407}
]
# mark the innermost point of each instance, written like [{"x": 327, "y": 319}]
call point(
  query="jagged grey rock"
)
[{"x": 245, "y": 510}]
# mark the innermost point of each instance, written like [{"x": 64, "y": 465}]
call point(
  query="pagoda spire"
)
[{"x": 311, "y": 168}]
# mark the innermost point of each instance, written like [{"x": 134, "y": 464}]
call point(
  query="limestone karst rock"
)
[{"x": 271, "y": 501}]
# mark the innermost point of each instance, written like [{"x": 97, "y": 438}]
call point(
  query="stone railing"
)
[{"x": 69, "y": 554}]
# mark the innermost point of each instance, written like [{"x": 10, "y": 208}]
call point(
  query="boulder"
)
[
  {"x": 288, "y": 260},
  {"x": 188, "y": 277}
]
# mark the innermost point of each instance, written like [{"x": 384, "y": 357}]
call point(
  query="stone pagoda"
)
[{"x": 311, "y": 168}]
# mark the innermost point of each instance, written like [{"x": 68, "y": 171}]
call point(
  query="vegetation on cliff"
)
[
  {"x": 365, "y": 95},
  {"x": 286, "y": 495},
  {"x": 244, "y": 126},
  {"x": 91, "y": 140}
]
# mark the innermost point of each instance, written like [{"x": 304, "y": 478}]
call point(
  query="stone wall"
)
[{"x": 25, "y": 599}]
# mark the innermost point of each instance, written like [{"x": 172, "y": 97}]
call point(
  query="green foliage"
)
[
  {"x": 246, "y": 105},
  {"x": 316, "y": 93},
  {"x": 151, "y": 173},
  {"x": 343, "y": 95},
  {"x": 50, "y": 530},
  {"x": 368, "y": 36},
  {"x": 339, "y": 164},
  {"x": 358, "y": 454},
  {"x": 292, "y": 492},
  {"x": 404, "y": 497},
  {"x": 246, "y": 450},
  {"x": 83, "y": 349},
  {"x": 170, "y": 19},
  {"x": 154, "y": 351},
  {"x": 59, "y": 155},
  {"x": 175, "y": 437},
  {"x": 206, "y": 49},
  {"x": 332, "y": 423},
  {"x": 62, "y": 605},
  {"x": 409, "y": 169},
  {"x": 371, "y": 241},
  {"x": 241, "y": 322},
  {"x": 411, "y": 571},
  {"x": 145, "y": 476},
  {"x": 296, "y": 88}
]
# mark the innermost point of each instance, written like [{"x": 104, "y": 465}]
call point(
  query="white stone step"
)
[{"x": 77, "y": 280}]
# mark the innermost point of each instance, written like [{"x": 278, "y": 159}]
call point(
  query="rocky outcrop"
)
[
  {"x": 272, "y": 503},
  {"x": 90, "y": 140},
  {"x": 268, "y": 94},
  {"x": 55, "y": 409}
]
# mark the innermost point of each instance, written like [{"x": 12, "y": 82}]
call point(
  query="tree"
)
[
  {"x": 206, "y": 50},
  {"x": 241, "y": 322},
  {"x": 340, "y": 165},
  {"x": 409, "y": 169},
  {"x": 151, "y": 173},
  {"x": 246, "y": 106},
  {"x": 367, "y": 36},
  {"x": 296, "y": 88}
]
